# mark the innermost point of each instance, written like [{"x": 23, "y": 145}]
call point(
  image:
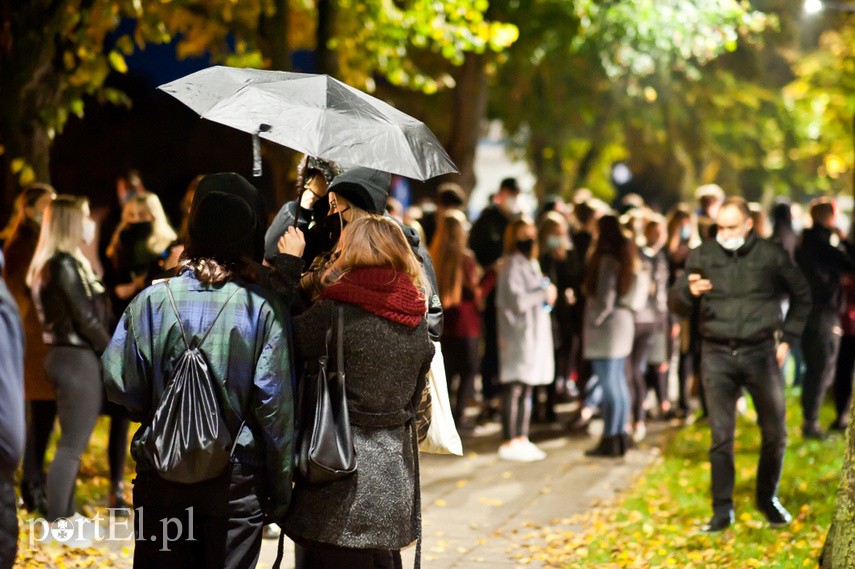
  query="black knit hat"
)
[{"x": 227, "y": 220}]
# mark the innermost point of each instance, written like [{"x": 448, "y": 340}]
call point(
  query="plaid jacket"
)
[{"x": 248, "y": 349}]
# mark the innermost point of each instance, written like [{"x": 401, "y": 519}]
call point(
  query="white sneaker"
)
[
  {"x": 639, "y": 433},
  {"x": 271, "y": 531},
  {"x": 534, "y": 451}
]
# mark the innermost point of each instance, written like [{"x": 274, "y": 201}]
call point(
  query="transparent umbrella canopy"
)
[{"x": 316, "y": 115}]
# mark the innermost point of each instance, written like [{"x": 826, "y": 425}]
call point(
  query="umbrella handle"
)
[{"x": 256, "y": 149}]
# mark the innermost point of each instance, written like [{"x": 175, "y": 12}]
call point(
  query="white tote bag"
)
[{"x": 442, "y": 437}]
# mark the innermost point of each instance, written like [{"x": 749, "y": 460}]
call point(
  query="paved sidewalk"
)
[{"x": 475, "y": 507}]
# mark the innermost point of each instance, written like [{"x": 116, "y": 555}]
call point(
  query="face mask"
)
[
  {"x": 525, "y": 246},
  {"x": 511, "y": 205},
  {"x": 730, "y": 243},
  {"x": 37, "y": 218},
  {"x": 88, "y": 231},
  {"x": 553, "y": 242},
  {"x": 685, "y": 232},
  {"x": 140, "y": 230}
]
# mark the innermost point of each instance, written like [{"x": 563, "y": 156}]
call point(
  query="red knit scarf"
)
[{"x": 382, "y": 291}]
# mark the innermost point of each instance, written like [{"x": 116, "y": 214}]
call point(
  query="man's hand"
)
[
  {"x": 292, "y": 242},
  {"x": 699, "y": 285},
  {"x": 781, "y": 353}
]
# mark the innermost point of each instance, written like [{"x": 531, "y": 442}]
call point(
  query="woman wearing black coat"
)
[
  {"x": 356, "y": 521},
  {"x": 73, "y": 310}
]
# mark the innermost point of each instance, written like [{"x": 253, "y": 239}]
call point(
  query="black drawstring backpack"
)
[{"x": 189, "y": 440}]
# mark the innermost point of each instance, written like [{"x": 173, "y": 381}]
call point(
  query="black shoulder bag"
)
[{"x": 324, "y": 446}]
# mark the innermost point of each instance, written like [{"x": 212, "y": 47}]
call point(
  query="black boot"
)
[
  {"x": 33, "y": 495},
  {"x": 719, "y": 521},
  {"x": 626, "y": 443},
  {"x": 608, "y": 446}
]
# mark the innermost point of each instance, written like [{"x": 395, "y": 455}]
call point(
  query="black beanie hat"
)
[{"x": 227, "y": 220}]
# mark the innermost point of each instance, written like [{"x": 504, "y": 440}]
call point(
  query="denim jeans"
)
[
  {"x": 726, "y": 371},
  {"x": 611, "y": 375}
]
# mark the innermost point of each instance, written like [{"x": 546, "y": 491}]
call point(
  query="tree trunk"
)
[
  {"x": 327, "y": 59},
  {"x": 839, "y": 550},
  {"x": 469, "y": 106},
  {"x": 587, "y": 162}
]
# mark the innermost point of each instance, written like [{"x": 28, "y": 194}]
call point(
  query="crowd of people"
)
[{"x": 581, "y": 302}]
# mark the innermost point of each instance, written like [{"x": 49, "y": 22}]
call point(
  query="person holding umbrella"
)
[{"x": 352, "y": 195}]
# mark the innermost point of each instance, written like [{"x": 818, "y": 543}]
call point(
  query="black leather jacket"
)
[
  {"x": 72, "y": 308},
  {"x": 748, "y": 284}
]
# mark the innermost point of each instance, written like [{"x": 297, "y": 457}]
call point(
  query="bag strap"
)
[
  {"x": 338, "y": 324},
  {"x": 181, "y": 324},
  {"x": 340, "y": 342}
]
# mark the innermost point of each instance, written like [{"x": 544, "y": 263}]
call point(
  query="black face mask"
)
[
  {"x": 135, "y": 232},
  {"x": 525, "y": 246},
  {"x": 333, "y": 225}
]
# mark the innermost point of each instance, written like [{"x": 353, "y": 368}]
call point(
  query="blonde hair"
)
[
  {"x": 373, "y": 241},
  {"x": 447, "y": 250},
  {"x": 162, "y": 233},
  {"x": 61, "y": 232}
]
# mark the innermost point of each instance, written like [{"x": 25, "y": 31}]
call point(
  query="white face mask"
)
[
  {"x": 730, "y": 243},
  {"x": 88, "y": 231}
]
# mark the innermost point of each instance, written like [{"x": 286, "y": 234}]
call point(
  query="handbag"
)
[
  {"x": 442, "y": 436},
  {"x": 324, "y": 446}
]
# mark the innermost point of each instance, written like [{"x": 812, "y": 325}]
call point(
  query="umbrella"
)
[{"x": 314, "y": 114}]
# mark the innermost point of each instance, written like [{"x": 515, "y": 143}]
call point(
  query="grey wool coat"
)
[
  {"x": 378, "y": 507},
  {"x": 608, "y": 327},
  {"x": 524, "y": 323}
]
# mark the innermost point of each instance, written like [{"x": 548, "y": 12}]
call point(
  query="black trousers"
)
[
  {"x": 8, "y": 519},
  {"x": 820, "y": 345},
  {"x": 461, "y": 360},
  {"x": 312, "y": 555},
  {"x": 843, "y": 377},
  {"x": 726, "y": 371},
  {"x": 216, "y": 523},
  {"x": 40, "y": 422},
  {"x": 516, "y": 409}
]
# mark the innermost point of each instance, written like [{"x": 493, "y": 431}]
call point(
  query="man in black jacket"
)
[
  {"x": 739, "y": 280},
  {"x": 11, "y": 419},
  {"x": 823, "y": 255}
]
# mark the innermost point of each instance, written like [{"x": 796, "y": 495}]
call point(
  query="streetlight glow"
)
[{"x": 813, "y": 6}]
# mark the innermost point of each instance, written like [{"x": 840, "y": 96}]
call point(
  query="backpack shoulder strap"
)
[
  {"x": 177, "y": 316},
  {"x": 214, "y": 321}
]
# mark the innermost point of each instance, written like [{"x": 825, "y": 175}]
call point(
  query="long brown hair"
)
[
  {"x": 447, "y": 250},
  {"x": 611, "y": 241},
  {"x": 373, "y": 241}
]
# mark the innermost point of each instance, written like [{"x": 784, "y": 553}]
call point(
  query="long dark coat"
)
[{"x": 385, "y": 368}]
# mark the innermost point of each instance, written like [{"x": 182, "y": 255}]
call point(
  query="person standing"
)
[
  {"x": 609, "y": 329},
  {"x": 486, "y": 239},
  {"x": 738, "y": 280},
  {"x": 524, "y": 301},
  {"x": 362, "y": 521},
  {"x": 458, "y": 277},
  {"x": 559, "y": 263},
  {"x": 11, "y": 419},
  {"x": 73, "y": 309},
  {"x": 824, "y": 255},
  {"x": 19, "y": 247},
  {"x": 247, "y": 351}
]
